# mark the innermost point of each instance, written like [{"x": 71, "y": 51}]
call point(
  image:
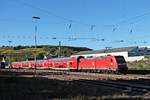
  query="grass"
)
[
  {"x": 139, "y": 65},
  {"x": 139, "y": 68}
]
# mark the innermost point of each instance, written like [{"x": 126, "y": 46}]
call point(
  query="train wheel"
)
[
  {"x": 113, "y": 72},
  {"x": 117, "y": 72}
]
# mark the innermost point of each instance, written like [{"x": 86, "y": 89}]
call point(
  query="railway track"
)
[
  {"x": 131, "y": 90},
  {"x": 80, "y": 75},
  {"x": 140, "y": 72},
  {"x": 33, "y": 70},
  {"x": 140, "y": 81},
  {"x": 126, "y": 84},
  {"x": 134, "y": 72}
]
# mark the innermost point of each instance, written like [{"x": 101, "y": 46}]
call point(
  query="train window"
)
[
  {"x": 99, "y": 56},
  {"x": 89, "y": 57},
  {"x": 120, "y": 59}
]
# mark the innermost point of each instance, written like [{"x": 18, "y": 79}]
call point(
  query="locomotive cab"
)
[{"x": 121, "y": 64}]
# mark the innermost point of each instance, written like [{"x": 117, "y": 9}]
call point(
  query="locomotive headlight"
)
[{"x": 111, "y": 63}]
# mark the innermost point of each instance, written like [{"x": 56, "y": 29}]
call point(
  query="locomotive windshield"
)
[{"x": 120, "y": 59}]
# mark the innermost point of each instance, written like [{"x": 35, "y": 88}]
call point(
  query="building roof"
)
[{"x": 108, "y": 50}]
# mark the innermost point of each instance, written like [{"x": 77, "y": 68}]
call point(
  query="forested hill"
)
[{"x": 19, "y": 53}]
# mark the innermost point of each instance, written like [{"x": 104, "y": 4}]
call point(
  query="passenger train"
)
[{"x": 99, "y": 64}]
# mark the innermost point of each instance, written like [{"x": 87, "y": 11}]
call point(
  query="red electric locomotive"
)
[{"x": 103, "y": 64}]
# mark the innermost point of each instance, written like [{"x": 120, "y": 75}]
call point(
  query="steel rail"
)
[{"x": 129, "y": 88}]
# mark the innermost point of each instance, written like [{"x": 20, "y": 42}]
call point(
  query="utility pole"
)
[
  {"x": 35, "y": 18},
  {"x": 9, "y": 59},
  {"x": 59, "y": 48}
]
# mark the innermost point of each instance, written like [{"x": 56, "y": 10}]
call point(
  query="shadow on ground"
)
[
  {"x": 36, "y": 88},
  {"x": 12, "y": 88}
]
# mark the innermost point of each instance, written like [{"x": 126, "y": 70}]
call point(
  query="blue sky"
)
[{"x": 89, "y": 20}]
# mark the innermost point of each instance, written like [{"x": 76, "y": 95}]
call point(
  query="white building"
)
[{"x": 129, "y": 53}]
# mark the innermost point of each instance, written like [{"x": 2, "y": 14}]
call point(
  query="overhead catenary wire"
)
[
  {"x": 83, "y": 39},
  {"x": 70, "y": 22},
  {"x": 50, "y": 37},
  {"x": 92, "y": 26},
  {"x": 53, "y": 37},
  {"x": 51, "y": 13}
]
